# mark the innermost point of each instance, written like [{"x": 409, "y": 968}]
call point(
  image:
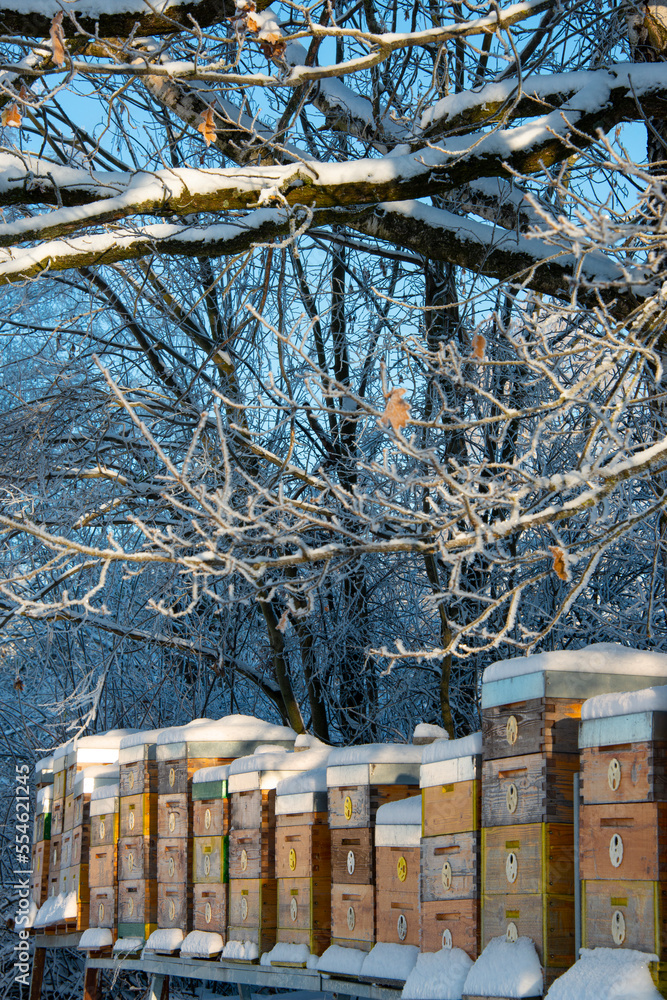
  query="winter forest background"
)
[{"x": 332, "y": 359}]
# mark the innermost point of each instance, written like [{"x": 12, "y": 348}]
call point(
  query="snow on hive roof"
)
[
  {"x": 305, "y": 741},
  {"x": 427, "y": 731},
  {"x": 44, "y": 795},
  {"x": 45, "y": 764},
  {"x": 92, "y": 777},
  {"x": 599, "y": 658},
  {"x": 104, "y": 792},
  {"x": 229, "y": 728},
  {"x": 607, "y": 974},
  {"x": 602, "y": 706},
  {"x": 376, "y": 753},
  {"x": 404, "y": 812},
  {"x": 438, "y": 975},
  {"x": 313, "y": 780},
  {"x": 60, "y": 752},
  {"x": 390, "y": 961},
  {"x": 218, "y": 773},
  {"x": 467, "y": 746},
  {"x": 506, "y": 969},
  {"x": 140, "y": 737},
  {"x": 279, "y": 759}
]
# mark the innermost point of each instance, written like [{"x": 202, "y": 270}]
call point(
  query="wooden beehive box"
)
[
  {"x": 360, "y": 780},
  {"x": 59, "y": 759},
  {"x": 41, "y": 847},
  {"x": 450, "y": 847},
  {"x": 303, "y": 860},
  {"x": 102, "y": 860},
  {"x": 397, "y": 866}
]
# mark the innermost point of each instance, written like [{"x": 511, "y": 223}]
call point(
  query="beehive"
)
[
  {"x": 623, "y": 817},
  {"x": 102, "y": 872},
  {"x": 397, "y": 864},
  {"x": 360, "y": 780},
  {"x": 181, "y": 752},
  {"x": 450, "y": 845},
  {"x": 210, "y": 859},
  {"x": 530, "y": 712},
  {"x": 41, "y": 846},
  {"x": 303, "y": 863},
  {"x": 253, "y": 888}
]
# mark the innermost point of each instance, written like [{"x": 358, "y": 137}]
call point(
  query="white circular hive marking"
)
[
  {"x": 207, "y": 864},
  {"x": 293, "y": 908},
  {"x": 102, "y": 829},
  {"x": 172, "y": 910},
  {"x": 130, "y": 820},
  {"x": 100, "y": 912},
  {"x": 172, "y": 867},
  {"x": 512, "y": 933},
  {"x": 446, "y": 875},
  {"x": 130, "y": 861},
  {"x": 172, "y": 822},
  {"x": 614, "y": 774},
  {"x": 130, "y": 780},
  {"x": 512, "y": 797},
  {"x": 351, "y": 920},
  {"x": 402, "y": 927},
  {"x": 511, "y": 867},
  {"x": 130, "y": 906},
  {"x": 350, "y": 862},
  {"x": 618, "y": 927},
  {"x": 616, "y": 850},
  {"x": 512, "y": 730},
  {"x": 244, "y": 908},
  {"x": 208, "y": 913},
  {"x": 244, "y": 860},
  {"x": 207, "y": 819},
  {"x": 172, "y": 777},
  {"x": 447, "y": 938}
]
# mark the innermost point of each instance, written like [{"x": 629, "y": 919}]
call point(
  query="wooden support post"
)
[
  {"x": 244, "y": 991},
  {"x": 159, "y": 987},
  {"x": 37, "y": 974},
  {"x": 90, "y": 983}
]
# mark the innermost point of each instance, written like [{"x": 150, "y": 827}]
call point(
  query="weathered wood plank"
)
[
  {"x": 450, "y": 867},
  {"x": 528, "y": 858},
  {"x": 528, "y": 789},
  {"x": 353, "y": 915},
  {"x": 352, "y": 856},
  {"x": 548, "y": 920},
  {"x": 454, "y": 807},
  {"x": 451, "y": 923},
  {"x": 625, "y": 840},
  {"x": 538, "y": 725}
]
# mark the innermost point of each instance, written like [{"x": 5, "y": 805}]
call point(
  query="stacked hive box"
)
[
  {"x": 450, "y": 847},
  {"x": 360, "y": 780},
  {"x": 57, "y": 815},
  {"x": 102, "y": 870},
  {"x": 137, "y": 837},
  {"x": 253, "y": 889},
  {"x": 210, "y": 856},
  {"x": 530, "y": 713},
  {"x": 39, "y": 886},
  {"x": 180, "y": 752},
  {"x": 303, "y": 864},
  {"x": 623, "y": 841},
  {"x": 398, "y": 828}
]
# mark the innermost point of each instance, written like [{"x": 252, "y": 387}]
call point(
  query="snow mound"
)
[
  {"x": 426, "y": 732},
  {"x": 24, "y": 921},
  {"x": 56, "y": 910},
  {"x": 45, "y": 764},
  {"x": 390, "y": 961},
  {"x": 104, "y": 792},
  {"x": 599, "y": 658},
  {"x": 341, "y": 961},
  {"x": 246, "y": 951},
  {"x": 376, "y": 753},
  {"x": 219, "y": 773},
  {"x": 607, "y": 974},
  {"x": 165, "y": 940},
  {"x": 403, "y": 812},
  {"x": 279, "y": 759},
  {"x": 202, "y": 944},
  {"x": 305, "y": 741},
  {"x": 506, "y": 969},
  {"x": 128, "y": 945},
  {"x": 44, "y": 797},
  {"x": 313, "y": 780},
  {"x": 467, "y": 746},
  {"x": 93, "y": 777},
  {"x": 94, "y": 938},
  {"x": 290, "y": 954},
  {"x": 602, "y": 706},
  {"x": 136, "y": 740},
  {"x": 438, "y": 975},
  {"x": 230, "y": 728}
]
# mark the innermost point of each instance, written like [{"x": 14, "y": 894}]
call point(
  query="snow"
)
[
  {"x": 241, "y": 951},
  {"x": 94, "y": 938},
  {"x": 376, "y": 753},
  {"x": 265, "y": 770},
  {"x": 44, "y": 798},
  {"x": 607, "y": 974},
  {"x": 312, "y": 780},
  {"x": 506, "y": 969},
  {"x": 106, "y": 803},
  {"x": 438, "y": 975},
  {"x": 105, "y": 792},
  {"x": 93, "y": 777},
  {"x": 45, "y": 764},
  {"x": 93, "y": 8},
  {"x": 404, "y": 812},
  {"x": 62, "y": 750},
  {"x": 305, "y": 741},
  {"x": 165, "y": 939},
  {"x": 217, "y": 773},
  {"x": 231, "y": 728},
  {"x": 202, "y": 944},
  {"x": 390, "y": 961},
  {"x": 467, "y": 746},
  {"x": 140, "y": 738},
  {"x": 342, "y": 961},
  {"x": 128, "y": 944},
  {"x": 24, "y": 921},
  {"x": 602, "y": 706},
  {"x": 426, "y": 732},
  {"x": 292, "y": 954},
  {"x": 599, "y": 658},
  {"x": 57, "y": 909}
]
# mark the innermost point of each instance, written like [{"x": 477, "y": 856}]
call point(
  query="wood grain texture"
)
[
  {"x": 104, "y": 830},
  {"x": 451, "y": 808},
  {"x": 68, "y": 813},
  {"x": 356, "y": 902},
  {"x": 253, "y": 809},
  {"x": 252, "y": 854},
  {"x": 102, "y": 866},
  {"x": 352, "y": 848},
  {"x": 173, "y": 860},
  {"x": 138, "y": 815},
  {"x": 395, "y": 912},
  {"x": 253, "y": 910},
  {"x": 643, "y": 906},
  {"x": 543, "y": 856},
  {"x": 210, "y": 861},
  {"x": 137, "y": 902},
  {"x": 461, "y": 853},
  {"x": 174, "y": 815},
  {"x": 103, "y": 906},
  {"x": 55, "y": 854},
  {"x": 174, "y": 906},
  {"x": 81, "y": 810},
  {"x": 633, "y": 833},
  {"x": 172, "y": 776},
  {"x": 304, "y": 904},
  {"x": 365, "y": 801},
  {"x": 66, "y": 849},
  {"x": 643, "y": 773},
  {"x": 210, "y": 817},
  {"x": 80, "y": 844},
  {"x": 303, "y": 851},
  {"x": 393, "y": 862},
  {"x": 548, "y": 920},
  {"x": 303, "y": 819},
  {"x": 138, "y": 778},
  {"x": 39, "y": 880},
  {"x": 137, "y": 858},
  {"x": 460, "y": 917},
  {"x": 316, "y": 941},
  {"x": 544, "y": 725},
  {"x": 210, "y": 908},
  {"x": 544, "y": 787},
  {"x": 57, "y": 817}
]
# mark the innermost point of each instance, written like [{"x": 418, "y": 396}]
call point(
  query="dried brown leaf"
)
[
  {"x": 478, "y": 346},
  {"x": 57, "y": 39},
  {"x": 11, "y": 116},
  {"x": 559, "y": 566},
  {"x": 207, "y": 127},
  {"x": 397, "y": 410},
  {"x": 282, "y": 624}
]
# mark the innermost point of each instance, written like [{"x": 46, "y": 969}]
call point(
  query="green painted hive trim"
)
[{"x": 209, "y": 790}]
